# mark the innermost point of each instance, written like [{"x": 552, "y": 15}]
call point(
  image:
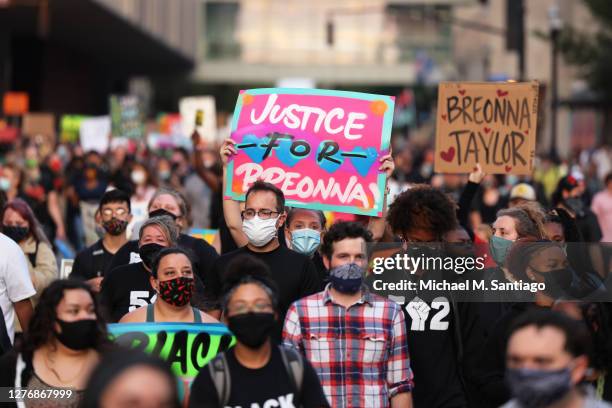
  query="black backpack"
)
[{"x": 220, "y": 374}]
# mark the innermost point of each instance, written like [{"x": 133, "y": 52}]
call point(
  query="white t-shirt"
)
[{"x": 15, "y": 281}]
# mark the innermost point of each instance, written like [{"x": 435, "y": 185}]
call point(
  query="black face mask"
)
[
  {"x": 17, "y": 234},
  {"x": 252, "y": 329},
  {"x": 160, "y": 211},
  {"x": 77, "y": 335},
  {"x": 558, "y": 282},
  {"x": 148, "y": 252}
]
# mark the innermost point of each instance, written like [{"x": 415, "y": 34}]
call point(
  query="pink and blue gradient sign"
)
[{"x": 320, "y": 147}]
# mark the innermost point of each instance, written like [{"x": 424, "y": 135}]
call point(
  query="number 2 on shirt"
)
[{"x": 419, "y": 311}]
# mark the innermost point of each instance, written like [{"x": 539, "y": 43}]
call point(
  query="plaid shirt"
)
[{"x": 360, "y": 353}]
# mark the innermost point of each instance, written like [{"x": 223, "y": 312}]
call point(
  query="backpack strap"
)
[
  {"x": 33, "y": 255},
  {"x": 197, "y": 318},
  {"x": 294, "y": 365},
  {"x": 220, "y": 375},
  {"x": 150, "y": 313}
]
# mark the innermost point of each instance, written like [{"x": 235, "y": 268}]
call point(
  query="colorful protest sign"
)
[
  {"x": 169, "y": 124},
  {"x": 126, "y": 117},
  {"x": 493, "y": 124},
  {"x": 207, "y": 235},
  {"x": 70, "y": 128},
  {"x": 15, "y": 103},
  {"x": 321, "y": 147},
  {"x": 94, "y": 134},
  {"x": 198, "y": 112},
  {"x": 187, "y": 347}
]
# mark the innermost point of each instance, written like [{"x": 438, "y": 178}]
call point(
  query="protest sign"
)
[
  {"x": 40, "y": 128},
  {"x": 66, "y": 268},
  {"x": 95, "y": 133},
  {"x": 126, "y": 117},
  {"x": 15, "y": 103},
  {"x": 321, "y": 147},
  {"x": 70, "y": 127},
  {"x": 187, "y": 347},
  {"x": 169, "y": 124},
  {"x": 198, "y": 112},
  {"x": 207, "y": 235},
  {"x": 8, "y": 134},
  {"x": 493, "y": 124}
]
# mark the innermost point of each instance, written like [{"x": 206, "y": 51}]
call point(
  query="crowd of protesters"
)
[{"x": 293, "y": 288}]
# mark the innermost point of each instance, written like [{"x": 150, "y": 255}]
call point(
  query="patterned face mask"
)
[
  {"x": 115, "y": 226},
  {"x": 176, "y": 292}
]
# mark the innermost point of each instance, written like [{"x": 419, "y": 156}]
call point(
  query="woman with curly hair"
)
[{"x": 63, "y": 345}]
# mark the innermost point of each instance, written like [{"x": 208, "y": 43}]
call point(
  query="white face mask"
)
[
  {"x": 258, "y": 231},
  {"x": 138, "y": 177}
]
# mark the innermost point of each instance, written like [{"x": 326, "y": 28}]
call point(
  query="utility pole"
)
[{"x": 556, "y": 24}]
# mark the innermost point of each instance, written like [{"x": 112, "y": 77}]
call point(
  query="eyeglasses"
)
[
  {"x": 409, "y": 240},
  {"x": 264, "y": 214},
  {"x": 243, "y": 308},
  {"x": 107, "y": 212}
]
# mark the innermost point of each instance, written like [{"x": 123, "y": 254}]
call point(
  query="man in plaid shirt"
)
[{"x": 355, "y": 340}]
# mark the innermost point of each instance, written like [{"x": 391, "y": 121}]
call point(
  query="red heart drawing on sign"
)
[
  {"x": 487, "y": 130},
  {"x": 443, "y": 117},
  {"x": 448, "y": 155},
  {"x": 527, "y": 131},
  {"x": 508, "y": 168},
  {"x": 462, "y": 92},
  {"x": 501, "y": 93}
]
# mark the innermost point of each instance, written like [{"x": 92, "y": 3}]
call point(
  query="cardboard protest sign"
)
[
  {"x": 198, "y": 112},
  {"x": 40, "y": 128},
  {"x": 94, "y": 134},
  {"x": 187, "y": 347},
  {"x": 70, "y": 127},
  {"x": 321, "y": 147},
  {"x": 126, "y": 117},
  {"x": 493, "y": 124}
]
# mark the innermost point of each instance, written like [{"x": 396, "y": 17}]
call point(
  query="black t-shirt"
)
[
  {"x": 124, "y": 289},
  {"x": 91, "y": 262},
  {"x": 268, "y": 386},
  {"x": 294, "y": 274},
  {"x": 433, "y": 355},
  {"x": 204, "y": 254}
]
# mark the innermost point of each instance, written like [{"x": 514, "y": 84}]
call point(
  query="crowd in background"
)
[{"x": 285, "y": 275}]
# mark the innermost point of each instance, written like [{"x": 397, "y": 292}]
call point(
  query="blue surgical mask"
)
[
  {"x": 499, "y": 248},
  {"x": 5, "y": 183},
  {"x": 538, "y": 388},
  {"x": 305, "y": 241},
  {"x": 346, "y": 278}
]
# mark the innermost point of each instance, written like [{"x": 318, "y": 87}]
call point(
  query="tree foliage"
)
[{"x": 592, "y": 52}]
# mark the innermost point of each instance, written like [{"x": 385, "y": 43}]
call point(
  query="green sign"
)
[
  {"x": 187, "y": 347},
  {"x": 70, "y": 126},
  {"x": 126, "y": 117}
]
